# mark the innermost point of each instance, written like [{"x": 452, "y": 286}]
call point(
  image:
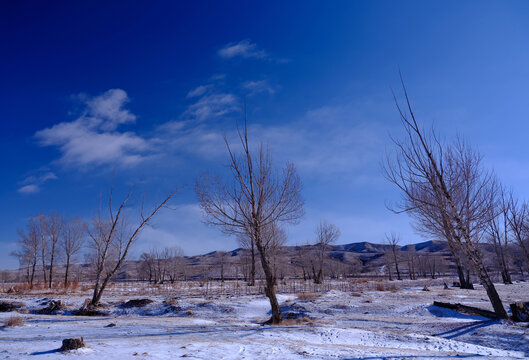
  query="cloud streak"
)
[
  {"x": 33, "y": 184},
  {"x": 244, "y": 49}
]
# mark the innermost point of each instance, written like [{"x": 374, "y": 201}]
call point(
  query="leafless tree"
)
[
  {"x": 147, "y": 266},
  {"x": 498, "y": 231},
  {"x": 72, "y": 241},
  {"x": 518, "y": 222},
  {"x": 304, "y": 260},
  {"x": 326, "y": 234},
  {"x": 40, "y": 229},
  {"x": 112, "y": 237},
  {"x": 393, "y": 240},
  {"x": 52, "y": 228},
  {"x": 28, "y": 253},
  {"x": 447, "y": 180},
  {"x": 255, "y": 197},
  {"x": 176, "y": 263}
]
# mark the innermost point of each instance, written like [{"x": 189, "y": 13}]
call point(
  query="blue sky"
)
[{"x": 144, "y": 91}]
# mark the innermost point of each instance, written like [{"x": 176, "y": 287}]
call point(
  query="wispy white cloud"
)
[
  {"x": 93, "y": 139},
  {"x": 29, "y": 189},
  {"x": 245, "y": 49},
  {"x": 211, "y": 106},
  {"x": 33, "y": 184},
  {"x": 258, "y": 86},
  {"x": 199, "y": 90}
]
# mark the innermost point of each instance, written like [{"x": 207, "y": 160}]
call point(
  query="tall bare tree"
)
[
  {"x": 498, "y": 233},
  {"x": 28, "y": 253},
  {"x": 518, "y": 222},
  {"x": 53, "y": 225},
  {"x": 393, "y": 240},
  {"x": 326, "y": 234},
  {"x": 72, "y": 240},
  {"x": 448, "y": 180},
  {"x": 112, "y": 237},
  {"x": 255, "y": 196}
]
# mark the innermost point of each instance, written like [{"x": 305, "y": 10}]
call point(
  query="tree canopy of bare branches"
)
[{"x": 255, "y": 197}]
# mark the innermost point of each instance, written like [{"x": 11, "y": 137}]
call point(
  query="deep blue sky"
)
[{"x": 145, "y": 90}]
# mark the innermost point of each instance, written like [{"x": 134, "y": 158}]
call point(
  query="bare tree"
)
[
  {"x": 40, "y": 226},
  {"x": 326, "y": 234},
  {"x": 393, "y": 240},
  {"x": 518, "y": 222},
  {"x": 255, "y": 197},
  {"x": 72, "y": 240},
  {"x": 498, "y": 231},
  {"x": 176, "y": 263},
  {"x": 448, "y": 180},
  {"x": 28, "y": 253},
  {"x": 147, "y": 266},
  {"x": 111, "y": 240},
  {"x": 53, "y": 225}
]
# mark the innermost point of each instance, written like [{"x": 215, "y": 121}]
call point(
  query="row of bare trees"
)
[
  {"x": 46, "y": 240},
  {"x": 108, "y": 240},
  {"x": 158, "y": 266}
]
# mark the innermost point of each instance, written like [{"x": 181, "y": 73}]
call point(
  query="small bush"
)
[
  {"x": 380, "y": 287},
  {"x": 305, "y": 320},
  {"x": 306, "y": 296},
  {"x": 14, "y": 321}
]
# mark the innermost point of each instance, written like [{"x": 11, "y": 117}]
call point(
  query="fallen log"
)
[{"x": 469, "y": 310}]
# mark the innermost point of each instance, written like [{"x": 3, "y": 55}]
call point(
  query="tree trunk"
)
[
  {"x": 44, "y": 271},
  {"x": 251, "y": 281},
  {"x": 51, "y": 265},
  {"x": 66, "y": 271},
  {"x": 33, "y": 272},
  {"x": 270, "y": 292}
]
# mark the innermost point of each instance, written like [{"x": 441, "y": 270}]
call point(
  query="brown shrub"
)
[
  {"x": 14, "y": 321},
  {"x": 380, "y": 287},
  {"x": 306, "y": 296},
  {"x": 299, "y": 321}
]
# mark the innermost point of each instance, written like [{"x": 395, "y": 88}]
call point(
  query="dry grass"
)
[
  {"x": 341, "y": 306},
  {"x": 308, "y": 296},
  {"x": 299, "y": 321},
  {"x": 14, "y": 321},
  {"x": 380, "y": 287}
]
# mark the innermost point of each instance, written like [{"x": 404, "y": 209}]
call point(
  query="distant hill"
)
[{"x": 359, "y": 258}]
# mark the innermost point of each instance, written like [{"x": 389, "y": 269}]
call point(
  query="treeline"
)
[{"x": 49, "y": 240}]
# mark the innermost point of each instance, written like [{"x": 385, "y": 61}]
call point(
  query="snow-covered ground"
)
[{"x": 337, "y": 325}]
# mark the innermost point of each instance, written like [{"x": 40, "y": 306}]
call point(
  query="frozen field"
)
[{"x": 370, "y": 324}]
